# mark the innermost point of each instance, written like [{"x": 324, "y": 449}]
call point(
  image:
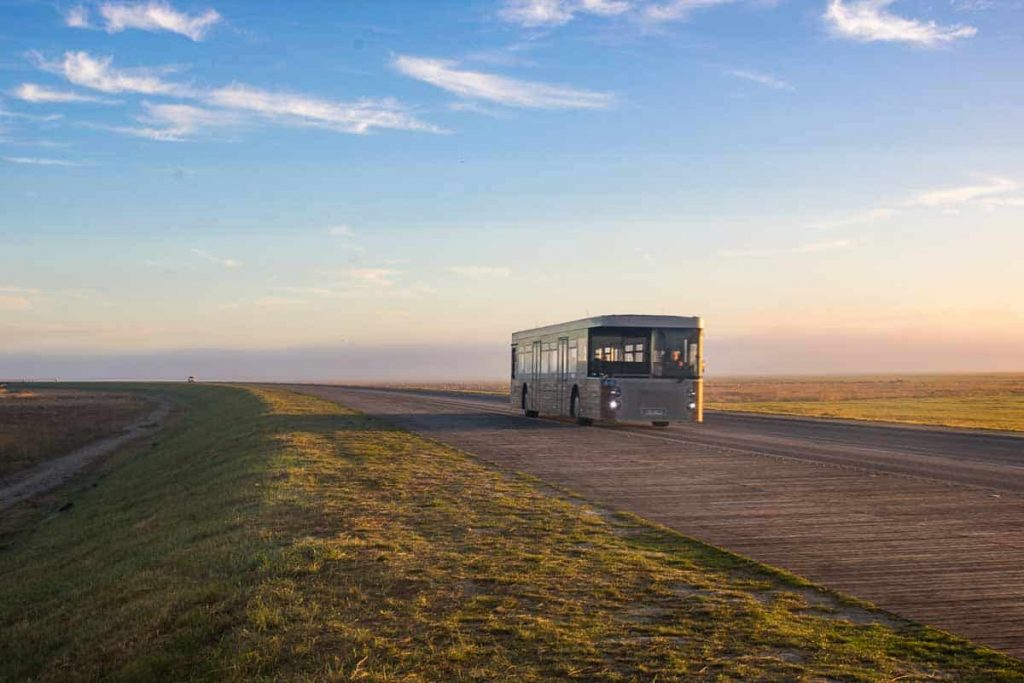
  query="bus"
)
[{"x": 612, "y": 367}]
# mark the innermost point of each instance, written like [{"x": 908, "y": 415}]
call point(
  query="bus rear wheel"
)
[
  {"x": 660, "y": 423},
  {"x": 526, "y": 411}
]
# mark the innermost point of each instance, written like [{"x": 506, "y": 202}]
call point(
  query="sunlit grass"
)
[
  {"x": 267, "y": 535},
  {"x": 976, "y": 401}
]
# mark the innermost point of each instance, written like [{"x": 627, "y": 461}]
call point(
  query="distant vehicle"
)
[
  {"x": 612, "y": 367},
  {"x": 191, "y": 379}
]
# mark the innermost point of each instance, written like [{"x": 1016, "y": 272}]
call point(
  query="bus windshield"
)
[
  {"x": 675, "y": 353},
  {"x": 643, "y": 352}
]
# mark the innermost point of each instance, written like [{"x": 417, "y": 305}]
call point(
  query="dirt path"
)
[{"x": 51, "y": 473}]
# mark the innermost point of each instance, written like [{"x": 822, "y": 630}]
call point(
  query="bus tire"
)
[
  {"x": 532, "y": 413},
  {"x": 660, "y": 423},
  {"x": 575, "y": 408}
]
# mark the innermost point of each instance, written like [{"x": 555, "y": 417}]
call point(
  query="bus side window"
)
[{"x": 514, "y": 358}]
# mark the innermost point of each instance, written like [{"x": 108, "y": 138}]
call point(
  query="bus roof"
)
[{"x": 627, "y": 320}]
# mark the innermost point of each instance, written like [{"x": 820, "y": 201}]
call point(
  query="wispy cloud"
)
[
  {"x": 226, "y": 262},
  {"x": 77, "y": 17},
  {"x": 552, "y": 13},
  {"x": 177, "y": 122},
  {"x": 341, "y": 231},
  {"x": 157, "y": 16},
  {"x": 16, "y": 298},
  {"x": 813, "y": 247},
  {"x": 99, "y": 73},
  {"x": 964, "y": 193},
  {"x": 481, "y": 271},
  {"x": 534, "y": 13},
  {"x": 764, "y": 79},
  {"x": 1001, "y": 202},
  {"x": 870, "y": 21},
  {"x": 359, "y": 116},
  {"x": 862, "y": 217},
  {"x": 32, "y": 92},
  {"x": 4, "y": 113},
  {"x": 501, "y": 89},
  {"x": 678, "y": 10},
  {"x": 948, "y": 199},
  {"x": 37, "y": 161},
  {"x": 150, "y": 16},
  {"x": 380, "y": 277}
]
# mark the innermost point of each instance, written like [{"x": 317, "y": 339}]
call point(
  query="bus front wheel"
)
[{"x": 575, "y": 409}]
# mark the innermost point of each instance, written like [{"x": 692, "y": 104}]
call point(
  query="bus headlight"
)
[
  {"x": 613, "y": 404},
  {"x": 691, "y": 406}
]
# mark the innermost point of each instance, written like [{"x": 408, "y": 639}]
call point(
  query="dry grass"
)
[
  {"x": 41, "y": 423},
  {"x": 979, "y": 401},
  {"x": 992, "y": 401},
  {"x": 274, "y": 536}
]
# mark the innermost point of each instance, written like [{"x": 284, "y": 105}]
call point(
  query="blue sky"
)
[{"x": 814, "y": 176}]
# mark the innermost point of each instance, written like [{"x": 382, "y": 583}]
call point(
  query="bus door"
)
[
  {"x": 534, "y": 394},
  {"x": 563, "y": 374}
]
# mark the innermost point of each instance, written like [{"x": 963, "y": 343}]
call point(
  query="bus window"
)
[
  {"x": 675, "y": 353},
  {"x": 620, "y": 351},
  {"x": 514, "y": 358}
]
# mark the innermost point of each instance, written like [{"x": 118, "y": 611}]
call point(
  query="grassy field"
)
[
  {"x": 270, "y": 535},
  {"x": 42, "y": 423},
  {"x": 978, "y": 401},
  {"x": 994, "y": 401}
]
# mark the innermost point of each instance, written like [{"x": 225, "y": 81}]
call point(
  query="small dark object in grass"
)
[{"x": 65, "y": 507}]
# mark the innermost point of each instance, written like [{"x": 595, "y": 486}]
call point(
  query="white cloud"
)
[
  {"x": 77, "y": 17},
  {"x": 36, "y": 161},
  {"x": 481, "y": 271},
  {"x": 508, "y": 91},
  {"x": 10, "y": 302},
  {"x": 382, "y": 277},
  {"x": 340, "y": 231},
  {"x": 760, "y": 78},
  {"x": 176, "y": 122},
  {"x": 813, "y": 247},
  {"x": 98, "y": 73},
  {"x": 226, "y": 262},
  {"x": 964, "y": 193},
  {"x": 16, "y": 298},
  {"x": 156, "y": 16},
  {"x": 359, "y": 116},
  {"x": 556, "y": 12},
  {"x": 28, "y": 117},
  {"x": 869, "y": 21},
  {"x": 869, "y": 216},
  {"x": 31, "y": 92},
  {"x": 998, "y": 202},
  {"x": 679, "y": 9},
  {"x": 537, "y": 12}
]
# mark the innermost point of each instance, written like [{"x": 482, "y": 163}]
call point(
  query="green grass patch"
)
[{"x": 267, "y": 535}]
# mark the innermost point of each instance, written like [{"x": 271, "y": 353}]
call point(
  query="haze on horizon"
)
[{"x": 388, "y": 190}]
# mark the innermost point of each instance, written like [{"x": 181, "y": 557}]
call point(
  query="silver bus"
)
[{"x": 612, "y": 367}]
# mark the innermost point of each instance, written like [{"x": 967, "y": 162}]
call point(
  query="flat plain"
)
[
  {"x": 265, "y": 535},
  {"x": 48, "y": 421},
  {"x": 994, "y": 401},
  {"x": 978, "y": 401}
]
